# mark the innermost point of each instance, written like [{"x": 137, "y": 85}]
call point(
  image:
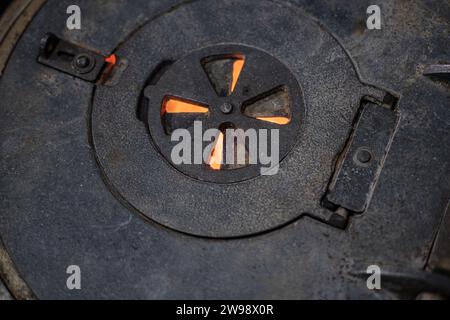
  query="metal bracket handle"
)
[
  {"x": 75, "y": 60},
  {"x": 360, "y": 164}
]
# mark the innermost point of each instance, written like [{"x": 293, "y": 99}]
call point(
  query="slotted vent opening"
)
[
  {"x": 180, "y": 113},
  {"x": 223, "y": 72},
  {"x": 273, "y": 106}
]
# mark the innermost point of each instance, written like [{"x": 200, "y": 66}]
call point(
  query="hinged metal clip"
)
[
  {"x": 75, "y": 60},
  {"x": 361, "y": 162}
]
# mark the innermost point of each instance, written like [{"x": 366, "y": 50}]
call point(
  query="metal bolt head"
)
[
  {"x": 82, "y": 61},
  {"x": 226, "y": 108},
  {"x": 364, "y": 156}
]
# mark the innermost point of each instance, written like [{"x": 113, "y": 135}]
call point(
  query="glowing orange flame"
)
[
  {"x": 173, "y": 105},
  {"x": 238, "y": 65},
  {"x": 112, "y": 59},
  {"x": 215, "y": 161},
  {"x": 277, "y": 120}
]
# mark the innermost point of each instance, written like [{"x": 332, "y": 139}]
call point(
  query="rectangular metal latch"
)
[
  {"x": 361, "y": 162},
  {"x": 73, "y": 59}
]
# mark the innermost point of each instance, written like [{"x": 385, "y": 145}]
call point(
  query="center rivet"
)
[{"x": 226, "y": 108}]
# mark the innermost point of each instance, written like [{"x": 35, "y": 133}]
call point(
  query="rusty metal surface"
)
[
  {"x": 439, "y": 259},
  {"x": 9, "y": 17},
  {"x": 15, "y": 17},
  {"x": 12, "y": 25},
  {"x": 4, "y": 293},
  {"x": 10, "y": 278}
]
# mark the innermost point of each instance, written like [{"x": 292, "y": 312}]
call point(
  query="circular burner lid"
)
[
  {"x": 224, "y": 87},
  {"x": 279, "y": 64}
]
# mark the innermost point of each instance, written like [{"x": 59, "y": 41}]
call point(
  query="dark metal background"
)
[
  {"x": 3, "y": 5},
  {"x": 57, "y": 210}
]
